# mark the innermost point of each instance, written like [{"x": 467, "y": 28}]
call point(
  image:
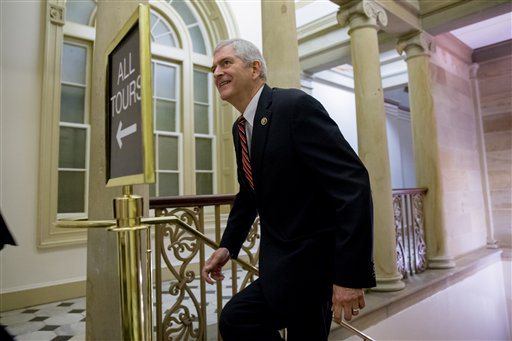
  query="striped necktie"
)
[{"x": 246, "y": 160}]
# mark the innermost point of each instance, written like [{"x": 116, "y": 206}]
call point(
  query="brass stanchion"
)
[
  {"x": 134, "y": 263},
  {"x": 135, "y": 282}
]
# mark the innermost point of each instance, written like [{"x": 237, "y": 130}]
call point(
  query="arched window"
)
[
  {"x": 182, "y": 104},
  {"x": 82, "y": 12},
  {"x": 194, "y": 29},
  {"x": 74, "y": 132},
  {"x": 183, "y": 108},
  {"x": 161, "y": 31}
]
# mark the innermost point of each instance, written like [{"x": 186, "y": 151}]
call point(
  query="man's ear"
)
[{"x": 256, "y": 69}]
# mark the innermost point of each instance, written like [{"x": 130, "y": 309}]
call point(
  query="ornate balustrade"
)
[
  {"x": 191, "y": 307},
  {"x": 410, "y": 232}
]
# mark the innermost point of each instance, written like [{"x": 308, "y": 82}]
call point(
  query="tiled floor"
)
[{"x": 60, "y": 321}]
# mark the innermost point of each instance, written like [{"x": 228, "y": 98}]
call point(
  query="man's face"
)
[{"x": 233, "y": 77}]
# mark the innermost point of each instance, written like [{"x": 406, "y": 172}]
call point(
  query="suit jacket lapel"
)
[{"x": 261, "y": 124}]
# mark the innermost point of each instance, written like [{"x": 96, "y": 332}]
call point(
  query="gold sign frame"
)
[{"x": 141, "y": 18}]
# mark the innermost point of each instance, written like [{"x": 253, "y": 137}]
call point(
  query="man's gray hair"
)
[{"x": 246, "y": 51}]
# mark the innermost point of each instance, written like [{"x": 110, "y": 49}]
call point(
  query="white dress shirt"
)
[{"x": 249, "y": 114}]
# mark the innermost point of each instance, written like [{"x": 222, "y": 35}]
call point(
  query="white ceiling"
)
[{"x": 487, "y": 32}]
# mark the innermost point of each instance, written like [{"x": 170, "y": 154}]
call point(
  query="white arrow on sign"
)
[{"x": 124, "y": 132}]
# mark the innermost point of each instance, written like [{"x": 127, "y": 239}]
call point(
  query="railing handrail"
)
[
  {"x": 200, "y": 236},
  {"x": 191, "y": 200},
  {"x": 249, "y": 267},
  {"x": 397, "y": 191},
  {"x": 227, "y": 199}
]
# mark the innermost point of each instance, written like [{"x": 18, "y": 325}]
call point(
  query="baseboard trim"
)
[
  {"x": 61, "y": 292},
  {"x": 37, "y": 296}
]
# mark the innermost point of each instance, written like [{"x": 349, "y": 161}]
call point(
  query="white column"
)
[
  {"x": 426, "y": 146},
  {"x": 473, "y": 75},
  {"x": 280, "y": 45},
  {"x": 364, "y": 18}
]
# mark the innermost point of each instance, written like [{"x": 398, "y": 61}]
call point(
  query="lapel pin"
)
[{"x": 264, "y": 121}]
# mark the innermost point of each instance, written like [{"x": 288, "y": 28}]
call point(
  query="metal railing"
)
[
  {"x": 410, "y": 232},
  {"x": 180, "y": 253},
  {"x": 193, "y": 310},
  {"x": 180, "y": 239}
]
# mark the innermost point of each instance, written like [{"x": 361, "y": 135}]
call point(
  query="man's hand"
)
[
  {"x": 346, "y": 302},
  {"x": 212, "y": 271}
]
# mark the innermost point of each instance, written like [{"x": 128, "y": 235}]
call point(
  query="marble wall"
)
[
  {"x": 461, "y": 175},
  {"x": 495, "y": 85}
]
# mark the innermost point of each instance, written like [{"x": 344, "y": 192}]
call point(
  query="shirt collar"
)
[{"x": 250, "y": 111}]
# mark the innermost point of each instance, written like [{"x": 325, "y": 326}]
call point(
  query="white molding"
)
[
  {"x": 42, "y": 285},
  {"x": 79, "y": 31},
  {"x": 395, "y": 111},
  {"x": 318, "y": 27},
  {"x": 335, "y": 79},
  {"x": 48, "y": 234},
  {"x": 56, "y": 14}
]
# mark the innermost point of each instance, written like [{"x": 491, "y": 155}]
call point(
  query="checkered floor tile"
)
[{"x": 62, "y": 321}]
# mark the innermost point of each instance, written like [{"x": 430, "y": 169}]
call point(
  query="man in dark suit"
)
[{"x": 313, "y": 198}]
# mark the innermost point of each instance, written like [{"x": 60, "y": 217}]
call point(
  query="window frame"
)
[
  {"x": 56, "y": 28},
  {"x": 188, "y": 61},
  {"x": 164, "y": 60},
  {"x": 211, "y": 130},
  {"x": 85, "y": 125},
  {"x": 79, "y": 215}
]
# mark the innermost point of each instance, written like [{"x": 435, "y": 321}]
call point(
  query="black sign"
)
[
  {"x": 126, "y": 145},
  {"x": 129, "y": 130}
]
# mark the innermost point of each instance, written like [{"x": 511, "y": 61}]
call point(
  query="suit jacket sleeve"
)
[{"x": 341, "y": 174}]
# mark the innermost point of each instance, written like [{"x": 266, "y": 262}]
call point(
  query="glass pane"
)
[
  {"x": 201, "y": 119},
  {"x": 79, "y": 11},
  {"x": 204, "y": 154},
  {"x": 200, "y": 87},
  {"x": 167, "y": 152},
  {"x": 165, "y": 78},
  {"x": 168, "y": 184},
  {"x": 71, "y": 192},
  {"x": 72, "y": 147},
  {"x": 159, "y": 29},
  {"x": 197, "y": 40},
  {"x": 72, "y": 101},
  {"x": 186, "y": 14},
  {"x": 167, "y": 40},
  {"x": 165, "y": 115},
  {"x": 161, "y": 32},
  {"x": 204, "y": 183},
  {"x": 73, "y": 63}
]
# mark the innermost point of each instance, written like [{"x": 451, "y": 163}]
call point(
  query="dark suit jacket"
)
[
  {"x": 5, "y": 235},
  {"x": 312, "y": 194}
]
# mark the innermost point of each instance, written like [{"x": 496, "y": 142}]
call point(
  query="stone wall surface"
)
[
  {"x": 461, "y": 173},
  {"x": 495, "y": 85}
]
